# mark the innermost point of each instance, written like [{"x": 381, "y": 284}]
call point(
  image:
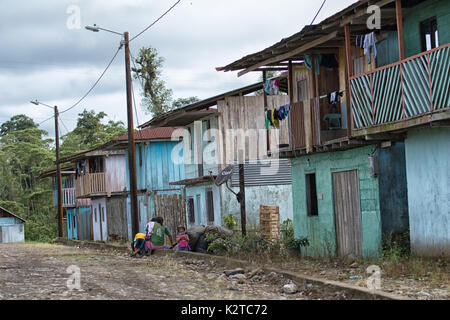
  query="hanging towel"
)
[
  {"x": 267, "y": 121},
  {"x": 317, "y": 61},
  {"x": 370, "y": 41}
]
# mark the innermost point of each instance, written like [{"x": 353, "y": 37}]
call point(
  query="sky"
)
[{"x": 48, "y": 55}]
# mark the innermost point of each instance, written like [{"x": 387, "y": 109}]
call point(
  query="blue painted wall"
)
[
  {"x": 155, "y": 168},
  {"x": 393, "y": 189},
  {"x": 427, "y": 154},
  {"x": 157, "y": 164}
]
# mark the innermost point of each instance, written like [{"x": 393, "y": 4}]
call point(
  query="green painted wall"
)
[
  {"x": 411, "y": 24},
  {"x": 320, "y": 230}
]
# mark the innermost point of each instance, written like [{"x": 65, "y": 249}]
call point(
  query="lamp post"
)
[
  {"x": 131, "y": 145},
  {"x": 58, "y": 169}
]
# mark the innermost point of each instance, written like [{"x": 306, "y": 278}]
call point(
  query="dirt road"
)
[{"x": 44, "y": 271}]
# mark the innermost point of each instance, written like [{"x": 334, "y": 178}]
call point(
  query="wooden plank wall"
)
[
  {"x": 117, "y": 218},
  {"x": 248, "y": 113},
  {"x": 172, "y": 209}
]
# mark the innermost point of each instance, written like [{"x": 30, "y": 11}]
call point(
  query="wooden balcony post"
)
[
  {"x": 348, "y": 74},
  {"x": 399, "y": 16}
]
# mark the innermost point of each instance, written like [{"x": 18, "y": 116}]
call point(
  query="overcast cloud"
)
[{"x": 41, "y": 58}]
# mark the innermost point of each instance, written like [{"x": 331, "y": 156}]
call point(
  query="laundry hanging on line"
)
[
  {"x": 272, "y": 86},
  {"x": 273, "y": 117},
  {"x": 335, "y": 97},
  {"x": 368, "y": 42}
]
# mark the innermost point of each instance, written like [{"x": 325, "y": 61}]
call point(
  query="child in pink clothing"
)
[{"x": 182, "y": 239}]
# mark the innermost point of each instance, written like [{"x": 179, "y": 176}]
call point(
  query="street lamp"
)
[
  {"x": 131, "y": 146},
  {"x": 58, "y": 169}
]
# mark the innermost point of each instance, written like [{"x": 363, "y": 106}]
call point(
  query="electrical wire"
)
[
  {"x": 320, "y": 9},
  {"x": 95, "y": 84},
  {"x": 63, "y": 124},
  {"x": 154, "y": 22}
]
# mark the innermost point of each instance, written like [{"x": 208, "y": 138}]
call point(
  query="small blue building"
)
[{"x": 12, "y": 227}]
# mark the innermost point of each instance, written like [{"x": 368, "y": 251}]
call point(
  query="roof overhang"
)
[
  {"x": 189, "y": 113},
  {"x": 194, "y": 181},
  {"x": 325, "y": 37}
]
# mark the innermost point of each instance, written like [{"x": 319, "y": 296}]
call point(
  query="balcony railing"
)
[
  {"x": 90, "y": 184},
  {"x": 68, "y": 197},
  {"x": 405, "y": 89}
]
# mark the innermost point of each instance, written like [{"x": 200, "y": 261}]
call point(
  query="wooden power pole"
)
[
  {"x": 131, "y": 145},
  {"x": 242, "y": 198},
  {"x": 58, "y": 178}
]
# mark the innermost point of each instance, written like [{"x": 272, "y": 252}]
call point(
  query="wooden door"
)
[
  {"x": 347, "y": 213},
  {"x": 116, "y": 217}
]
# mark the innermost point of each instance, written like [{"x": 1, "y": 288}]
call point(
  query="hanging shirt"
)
[{"x": 370, "y": 41}]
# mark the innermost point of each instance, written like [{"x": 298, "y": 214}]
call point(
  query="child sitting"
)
[
  {"x": 138, "y": 245},
  {"x": 182, "y": 239}
]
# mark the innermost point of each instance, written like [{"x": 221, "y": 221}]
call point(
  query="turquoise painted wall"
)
[
  {"x": 393, "y": 189},
  {"x": 428, "y": 174},
  {"x": 320, "y": 230},
  {"x": 411, "y": 24},
  {"x": 387, "y": 50}
]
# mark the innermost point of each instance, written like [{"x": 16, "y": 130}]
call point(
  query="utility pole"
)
[
  {"x": 131, "y": 145},
  {"x": 241, "y": 161},
  {"x": 58, "y": 178}
]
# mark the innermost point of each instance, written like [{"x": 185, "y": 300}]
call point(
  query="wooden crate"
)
[{"x": 269, "y": 222}]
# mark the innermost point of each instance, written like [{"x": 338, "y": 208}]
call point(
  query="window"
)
[
  {"x": 429, "y": 34},
  {"x": 190, "y": 210},
  {"x": 311, "y": 195},
  {"x": 103, "y": 214},
  {"x": 210, "y": 206}
]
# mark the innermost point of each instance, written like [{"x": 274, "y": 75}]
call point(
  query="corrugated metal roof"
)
[{"x": 150, "y": 134}]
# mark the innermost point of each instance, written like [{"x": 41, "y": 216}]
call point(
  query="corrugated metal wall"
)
[{"x": 264, "y": 173}]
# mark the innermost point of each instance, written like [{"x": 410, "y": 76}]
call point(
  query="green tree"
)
[
  {"x": 156, "y": 97},
  {"x": 17, "y": 122},
  {"x": 181, "y": 102},
  {"x": 24, "y": 154},
  {"x": 90, "y": 132}
]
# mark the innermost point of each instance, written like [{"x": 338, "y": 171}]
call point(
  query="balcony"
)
[
  {"x": 90, "y": 184},
  {"x": 312, "y": 125},
  {"x": 408, "y": 89},
  {"x": 68, "y": 197}
]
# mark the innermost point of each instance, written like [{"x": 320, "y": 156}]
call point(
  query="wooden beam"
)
[
  {"x": 399, "y": 17},
  {"x": 348, "y": 74},
  {"x": 289, "y": 54}
]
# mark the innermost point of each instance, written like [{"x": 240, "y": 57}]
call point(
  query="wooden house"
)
[
  {"x": 374, "y": 161},
  {"x": 212, "y": 137},
  {"x": 156, "y": 165},
  {"x": 12, "y": 227},
  {"x": 100, "y": 183},
  {"x": 76, "y": 211}
]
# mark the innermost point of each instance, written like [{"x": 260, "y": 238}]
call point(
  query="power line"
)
[
  {"x": 155, "y": 21},
  {"x": 63, "y": 124},
  {"x": 96, "y": 82},
  {"x": 320, "y": 9}
]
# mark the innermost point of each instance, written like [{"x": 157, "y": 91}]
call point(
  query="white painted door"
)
[{"x": 99, "y": 220}]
